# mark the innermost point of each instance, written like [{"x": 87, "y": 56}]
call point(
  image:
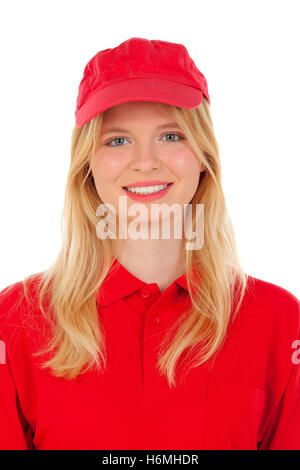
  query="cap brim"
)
[{"x": 138, "y": 89}]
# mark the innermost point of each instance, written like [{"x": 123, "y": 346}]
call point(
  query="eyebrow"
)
[{"x": 162, "y": 126}]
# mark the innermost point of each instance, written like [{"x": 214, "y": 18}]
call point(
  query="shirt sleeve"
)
[
  {"x": 15, "y": 432},
  {"x": 283, "y": 432}
]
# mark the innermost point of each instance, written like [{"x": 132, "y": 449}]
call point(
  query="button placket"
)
[{"x": 154, "y": 326}]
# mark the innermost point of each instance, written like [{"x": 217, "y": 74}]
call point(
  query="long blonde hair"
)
[{"x": 216, "y": 285}]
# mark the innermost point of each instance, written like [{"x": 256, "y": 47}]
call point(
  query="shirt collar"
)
[{"x": 119, "y": 283}]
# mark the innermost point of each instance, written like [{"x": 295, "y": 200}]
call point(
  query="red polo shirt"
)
[{"x": 247, "y": 398}]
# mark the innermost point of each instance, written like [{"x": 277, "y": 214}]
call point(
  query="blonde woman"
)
[{"x": 132, "y": 340}]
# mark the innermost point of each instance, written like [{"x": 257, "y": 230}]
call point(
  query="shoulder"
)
[
  {"x": 267, "y": 291},
  {"x": 17, "y": 310},
  {"x": 273, "y": 304},
  {"x": 10, "y": 300},
  {"x": 15, "y": 292}
]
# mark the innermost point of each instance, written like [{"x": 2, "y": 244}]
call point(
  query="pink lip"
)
[{"x": 145, "y": 183}]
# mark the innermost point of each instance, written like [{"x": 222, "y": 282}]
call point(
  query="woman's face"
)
[{"x": 141, "y": 150}]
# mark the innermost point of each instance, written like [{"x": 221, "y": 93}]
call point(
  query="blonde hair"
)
[{"x": 216, "y": 281}]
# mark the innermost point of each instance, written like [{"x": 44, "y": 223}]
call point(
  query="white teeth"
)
[{"x": 148, "y": 189}]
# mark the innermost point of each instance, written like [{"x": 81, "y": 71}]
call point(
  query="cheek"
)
[
  {"x": 108, "y": 168},
  {"x": 186, "y": 166}
]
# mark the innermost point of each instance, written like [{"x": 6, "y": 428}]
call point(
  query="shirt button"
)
[
  {"x": 156, "y": 321},
  {"x": 145, "y": 293}
]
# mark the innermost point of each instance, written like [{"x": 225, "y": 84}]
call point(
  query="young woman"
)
[{"x": 147, "y": 342}]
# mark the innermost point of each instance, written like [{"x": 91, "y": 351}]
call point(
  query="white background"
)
[{"x": 249, "y": 54}]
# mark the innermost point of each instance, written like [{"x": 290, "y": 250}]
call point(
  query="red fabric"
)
[
  {"x": 247, "y": 398},
  {"x": 139, "y": 70}
]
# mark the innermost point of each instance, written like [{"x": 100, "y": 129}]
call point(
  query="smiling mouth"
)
[{"x": 144, "y": 190}]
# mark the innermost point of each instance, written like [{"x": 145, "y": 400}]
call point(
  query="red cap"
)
[{"x": 139, "y": 70}]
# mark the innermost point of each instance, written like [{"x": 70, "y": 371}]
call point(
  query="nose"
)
[{"x": 145, "y": 158}]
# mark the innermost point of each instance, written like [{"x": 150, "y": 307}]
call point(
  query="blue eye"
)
[
  {"x": 116, "y": 138},
  {"x": 173, "y": 134},
  {"x": 122, "y": 138}
]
